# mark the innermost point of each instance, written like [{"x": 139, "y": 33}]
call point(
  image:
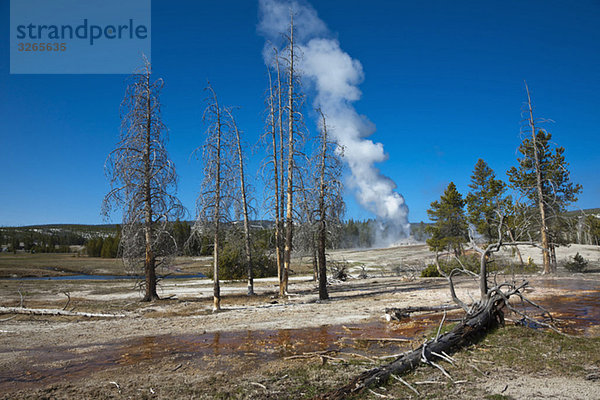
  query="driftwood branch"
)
[
  {"x": 68, "y": 300},
  {"x": 394, "y": 313},
  {"x": 405, "y": 383},
  {"x": 383, "y": 339},
  {"x": 43, "y": 311}
]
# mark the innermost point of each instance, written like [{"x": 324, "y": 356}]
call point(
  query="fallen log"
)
[
  {"x": 475, "y": 325},
  {"x": 481, "y": 317},
  {"x": 398, "y": 314},
  {"x": 45, "y": 311}
]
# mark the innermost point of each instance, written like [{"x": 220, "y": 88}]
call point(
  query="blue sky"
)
[{"x": 443, "y": 86}]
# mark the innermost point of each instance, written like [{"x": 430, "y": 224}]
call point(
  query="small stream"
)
[{"x": 98, "y": 277}]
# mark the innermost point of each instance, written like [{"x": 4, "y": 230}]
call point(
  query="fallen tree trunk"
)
[
  {"x": 480, "y": 318},
  {"x": 398, "y": 314},
  {"x": 45, "y": 311},
  {"x": 473, "y": 327}
]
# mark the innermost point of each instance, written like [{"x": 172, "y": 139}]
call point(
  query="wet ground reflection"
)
[
  {"x": 49, "y": 365},
  {"x": 577, "y": 311}
]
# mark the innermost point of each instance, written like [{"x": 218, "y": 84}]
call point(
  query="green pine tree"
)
[
  {"x": 542, "y": 178},
  {"x": 181, "y": 233},
  {"x": 593, "y": 224},
  {"x": 557, "y": 191},
  {"x": 484, "y": 200},
  {"x": 449, "y": 230}
]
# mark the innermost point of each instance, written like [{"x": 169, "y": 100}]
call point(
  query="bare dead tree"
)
[
  {"x": 285, "y": 127},
  {"x": 243, "y": 200},
  {"x": 305, "y": 237},
  {"x": 47, "y": 311},
  {"x": 281, "y": 131},
  {"x": 295, "y": 137},
  {"x": 214, "y": 201},
  {"x": 143, "y": 181},
  {"x": 330, "y": 201},
  {"x": 289, "y": 222},
  {"x": 538, "y": 184},
  {"x": 277, "y": 139},
  {"x": 275, "y": 160}
]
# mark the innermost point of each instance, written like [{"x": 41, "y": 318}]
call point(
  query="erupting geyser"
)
[{"x": 335, "y": 77}]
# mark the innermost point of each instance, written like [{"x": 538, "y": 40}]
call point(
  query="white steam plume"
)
[{"x": 336, "y": 76}]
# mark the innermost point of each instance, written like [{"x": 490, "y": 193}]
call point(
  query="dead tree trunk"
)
[
  {"x": 214, "y": 201},
  {"x": 289, "y": 224},
  {"x": 314, "y": 260},
  {"x": 276, "y": 169},
  {"x": 217, "y": 219},
  {"x": 142, "y": 178},
  {"x": 149, "y": 264},
  {"x": 217, "y": 225},
  {"x": 46, "y": 311},
  {"x": 322, "y": 261},
  {"x": 330, "y": 204},
  {"x": 322, "y": 232},
  {"x": 217, "y": 198},
  {"x": 244, "y": 204},
  {"x": 281, "y": 169},
  {"x": 394, "y": 313},
  {"x": 539, "y": 187}
]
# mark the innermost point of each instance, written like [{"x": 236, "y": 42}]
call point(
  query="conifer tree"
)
[
  {"x": 556, "y": 190},
  {"x": 181, "y": 233},
  {"x": 542, "y": 178},
  {"x": 485, "y": 200},
  {"x": 449, "y": 230}
]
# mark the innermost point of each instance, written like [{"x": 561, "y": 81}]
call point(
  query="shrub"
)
[
  {"x": 431, "y": 271},
  {"x": 578, "y": 264},
  {"x": 526, "y": 268},
  {"x": 470, "y": 262},
  {"x": 338, "y": 270},
  {"x": 232, "y": 264}
]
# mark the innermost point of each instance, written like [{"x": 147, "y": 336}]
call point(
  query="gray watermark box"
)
[{"x": 79, "y": 36}]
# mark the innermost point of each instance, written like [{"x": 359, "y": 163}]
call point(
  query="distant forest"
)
[{"x": 103, "y": 240}]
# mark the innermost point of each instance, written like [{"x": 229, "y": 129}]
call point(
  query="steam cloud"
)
[{"x": 336, "y": 76}]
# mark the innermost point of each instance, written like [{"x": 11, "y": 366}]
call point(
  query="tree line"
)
[
  {"x": 105, "y": 247},
  {"x": 39, "y": 239}
]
